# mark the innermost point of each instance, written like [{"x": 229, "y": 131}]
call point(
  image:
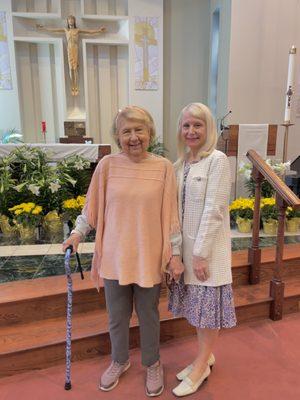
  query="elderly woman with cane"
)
[
  {"x": 204, "y": 297},
  {"x": 132, "y": 204}
]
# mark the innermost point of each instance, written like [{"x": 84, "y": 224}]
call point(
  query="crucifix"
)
[{"x": 72, "y": 35}]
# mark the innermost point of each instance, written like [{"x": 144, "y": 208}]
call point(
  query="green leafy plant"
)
[
  {"x": 78, "y": 169},
  {"x": 12, "y": 136},
  {"x": 7, "y": 195},
  {"x": 73, "y": 207},
  {"x": 292, "y": 213},
  {"x": 268, "y": 209},
  {"x": 266, "y": 189},
  {"x": 242, "y": 208},
  {"x": 158, "y": 148},
  {"x": 40, "y": 180}
]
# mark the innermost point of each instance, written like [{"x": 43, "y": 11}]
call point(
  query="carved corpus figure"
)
[{"x": 72, "y": 35}]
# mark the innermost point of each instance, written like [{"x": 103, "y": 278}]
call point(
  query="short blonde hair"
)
[
  {"x": 133, "y": 113},
  {"x": 201, "y": 111}
]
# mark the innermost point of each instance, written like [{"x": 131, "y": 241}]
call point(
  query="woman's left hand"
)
[
  {"x": 175, "y": 268},
  {"x": 200, "y": 267}
]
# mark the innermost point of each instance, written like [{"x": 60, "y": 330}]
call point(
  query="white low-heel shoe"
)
[
  {"x": 186, "y": 371},
  {"x": 187, "y": 387}
]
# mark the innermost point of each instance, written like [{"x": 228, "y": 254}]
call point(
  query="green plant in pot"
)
[
  {"x": 27, "y": 217},
  {"x": 292, "y": 219},
  {"x": 72, "y": 208},
  {"x": 269, "y": 215},
  {"x": 241, "y": 210},
  {"x": 267, "y": 191},
  {"x": 157, "y": 147}
]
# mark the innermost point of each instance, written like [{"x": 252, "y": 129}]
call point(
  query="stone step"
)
[
  {"x": 40, "y": 344},
  {"x": 45, "y": 298}
]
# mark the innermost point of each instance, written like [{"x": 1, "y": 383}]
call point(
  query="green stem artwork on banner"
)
[{"x": 5, "y": 73}]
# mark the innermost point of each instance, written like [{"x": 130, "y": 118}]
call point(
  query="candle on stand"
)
[
  {"x": 44, "y": 130},
  {"x": 290, "y": 84}
]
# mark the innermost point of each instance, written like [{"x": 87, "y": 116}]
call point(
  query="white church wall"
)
[
  {"x": 106, "y": 73},
  {"x": 186, "y": 60},
  {"x": 261, "y": 34},
  {"x": 41, "y": 92},
  {"x": 9, "y": 104}
]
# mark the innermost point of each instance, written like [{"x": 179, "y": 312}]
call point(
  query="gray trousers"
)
[{"x": 119, "y": 304}]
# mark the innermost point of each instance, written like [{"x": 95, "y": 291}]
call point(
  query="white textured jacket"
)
[{"x": 206, "y": 226}]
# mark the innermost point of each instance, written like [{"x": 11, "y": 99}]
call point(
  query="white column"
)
[
  {"x": 46, "y": 91},
  {"x": 105, "y": 92},
  {"x": 61, "y": 103},
  {"x": 122, "y": 59}
]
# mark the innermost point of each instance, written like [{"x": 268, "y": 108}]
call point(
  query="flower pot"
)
[
  {"x": 298, "y": 221},
  {"x": 270, "y": 226},
  {"x": 53, "y": 226},
  {"x": 292, "y": 225},
  {"x": 27, "y": 233},
  {"x": 244, "y": 225},
  {"x": 5, "y": 227}
]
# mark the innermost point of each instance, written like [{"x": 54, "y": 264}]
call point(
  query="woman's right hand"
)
[
  {"x": 175, "y": 268},
  {"x": 200, "y": 267},
  {"x": 73, "y": 240}
]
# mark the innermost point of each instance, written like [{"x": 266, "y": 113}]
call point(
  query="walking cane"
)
[{"x": 69, "y": 251}]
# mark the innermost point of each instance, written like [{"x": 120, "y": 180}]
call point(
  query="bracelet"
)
[{"x": 77, "y": 232}]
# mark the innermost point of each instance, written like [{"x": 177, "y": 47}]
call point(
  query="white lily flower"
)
[
  {"x": 34, "y": 189},
  {"x": 79, "y": 165},
  {"x": 247, "y": 174},
  {"x": 18, "y": 188},
  {"x": 54, "y": 186},
  {"x": 287, "y": 165}
]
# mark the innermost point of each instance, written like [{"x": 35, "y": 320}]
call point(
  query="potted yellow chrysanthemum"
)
[
  {"x": 269, "y": 215},
  {"x": 26, "y": 217},
  {"x": 53, "y": 226},
  {"x": 292, "y": 219},
  {"x": 72, "y": 208},
  {"x": 241, "y": 210}
]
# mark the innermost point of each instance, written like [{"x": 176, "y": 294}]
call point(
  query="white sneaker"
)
[
  {"x": 187, "y": 387},
  {"x": 186, "y": 371}
]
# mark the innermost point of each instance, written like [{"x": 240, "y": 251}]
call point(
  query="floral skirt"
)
[{"x": 203, "y": 306}]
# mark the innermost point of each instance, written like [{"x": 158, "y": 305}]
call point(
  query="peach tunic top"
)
[{"x": 133, "y": 207}]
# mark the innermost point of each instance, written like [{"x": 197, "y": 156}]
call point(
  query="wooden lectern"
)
[{"x": 228, "y": 141}]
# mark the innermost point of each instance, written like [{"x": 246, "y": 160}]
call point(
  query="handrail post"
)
[
  {"x": 276, "y": 284},
  {"x": 254, "y": 252}
]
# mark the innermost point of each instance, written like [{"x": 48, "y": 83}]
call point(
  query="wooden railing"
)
[{"x": 284, "y": 198}]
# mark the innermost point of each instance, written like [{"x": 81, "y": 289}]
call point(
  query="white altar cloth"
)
[
  {"x": 251, "y": 136},
  {"x": 58, "y": 151}
]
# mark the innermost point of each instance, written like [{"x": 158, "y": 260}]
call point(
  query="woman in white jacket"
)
[{"x": 204, "y": 297}]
